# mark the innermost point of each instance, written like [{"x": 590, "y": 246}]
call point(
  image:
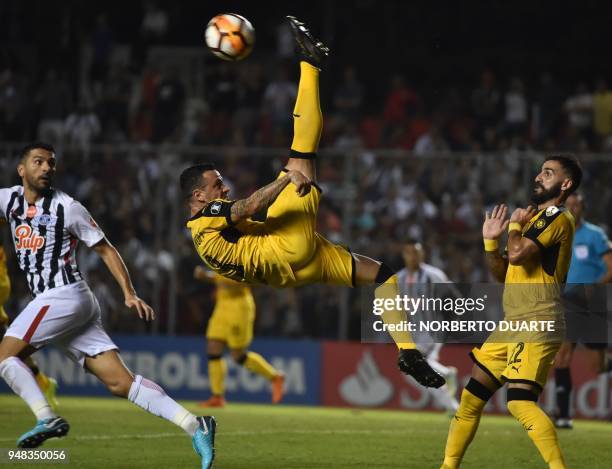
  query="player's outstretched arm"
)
[
  {"x": 262, "y": 198},
  {"x": 117, "y": 267}
]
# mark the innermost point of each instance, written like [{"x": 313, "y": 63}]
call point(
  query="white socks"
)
[
  {"x": 21, "y": 380},
  {"x": 152, "y": 398}
]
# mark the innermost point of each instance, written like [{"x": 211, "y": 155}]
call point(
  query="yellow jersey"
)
[
  {"x": 535, "y": 286},
  {"x": 240, "y": 251},
  {"x": 231, "y": 290},
  {"x": 5, "y": 287}
]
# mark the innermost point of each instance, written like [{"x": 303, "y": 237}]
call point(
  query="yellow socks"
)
[
  {"x": 465, "y": 423},
  {"x": 42, "y": 380},
  {"x": 540, "y": 429},
  {"x": 307, "y": 117},
  {"x": 217, "y": 369},
  {"x": 388, "y": 292},
  {"x": 258, "y": 364}
]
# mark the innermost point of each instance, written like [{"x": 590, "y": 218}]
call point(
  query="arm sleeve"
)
[
  {"x": 549, "y": 229},
  {"x": 216, "y": 216},
  {"x": 82, "y": 225}
]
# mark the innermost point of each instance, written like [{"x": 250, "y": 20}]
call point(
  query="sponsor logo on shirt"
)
[{"x": 26, "y": 239}]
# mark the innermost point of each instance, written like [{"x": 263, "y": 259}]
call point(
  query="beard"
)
[{"x": 545, "y": 194}]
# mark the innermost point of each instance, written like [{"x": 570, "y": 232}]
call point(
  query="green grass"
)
[{"x": 110, "y": 433}]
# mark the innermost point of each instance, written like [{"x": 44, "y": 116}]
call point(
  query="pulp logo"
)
[{"x": 26, "y": 239}]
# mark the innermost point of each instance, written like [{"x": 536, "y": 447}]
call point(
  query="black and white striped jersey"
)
[{"x": 46, "y": 235}]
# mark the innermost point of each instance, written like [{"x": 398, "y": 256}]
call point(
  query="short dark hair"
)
[
  {"x": 572, "y": 167},
  {"x": 191, "y": 178},
  {"x": 25, "y": 151},
  {"x": 413, "y": 242}
]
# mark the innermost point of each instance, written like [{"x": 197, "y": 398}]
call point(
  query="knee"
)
[
  {"x": 239, "y": 356},
  {"x": 475, "y": 396},
  {"x": 518, "y": 398},
  {"x": 120, "y": 387}
]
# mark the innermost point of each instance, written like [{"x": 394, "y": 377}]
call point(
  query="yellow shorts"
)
[
  {"x": 519, "y": 362},
  {"x": 232, "y": 322},
  {"x": 291, "y": 223},
  {"x": 331, "y": 264}
]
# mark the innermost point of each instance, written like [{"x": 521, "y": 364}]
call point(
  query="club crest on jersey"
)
[
  {"x": 26, "y": 239},
  {"x": 215, "y": 208},
  {"x": 541, "y": 223},
  {"x": 42, "y": 220}
]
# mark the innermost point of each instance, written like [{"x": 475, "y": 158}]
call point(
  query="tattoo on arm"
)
[
  {"x": 258, "y": 200},
  {"x": 498, "y": 265}
]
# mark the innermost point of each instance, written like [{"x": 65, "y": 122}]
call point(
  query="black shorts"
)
[{"x": 586, "y": 315}]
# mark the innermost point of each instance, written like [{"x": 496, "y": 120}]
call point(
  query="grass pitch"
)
[{"x": 111, "y": 433}]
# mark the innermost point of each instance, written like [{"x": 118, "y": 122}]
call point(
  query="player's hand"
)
[
  {"x": 496, "y": 223},
  {"x": 523, "y": 215},
  {"x": 301, "y": 182},
  {"x": 144, "y": 310}
]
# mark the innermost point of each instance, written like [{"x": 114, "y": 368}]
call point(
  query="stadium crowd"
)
[{"x": 373, "y": 200}]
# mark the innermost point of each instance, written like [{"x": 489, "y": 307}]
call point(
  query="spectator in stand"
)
[
  {"x": 169, "y": 101},
  {"x": 54, "y": 103},
  {"x": 602, "y": 111},
  {"x": 515, "y": 117},
  {"x": 12, "y": 107},
  {"x": 579, "y": 110},
  {"x": 400, "y": 103},
  {"x": 348, "y": 98},
  {"x": 549, "y": 100},
  {"x": 431, "y": 142},
  {"x": 279, "y": 99},
  {"x": 486, "y": 102},
  {"x": 81, "y": 128},
  {"x": 102, "y": 48},
  {"x": 248, "y": 104}
]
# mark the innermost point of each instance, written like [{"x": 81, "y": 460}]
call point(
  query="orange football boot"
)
[{"x": 213, "y": 401}]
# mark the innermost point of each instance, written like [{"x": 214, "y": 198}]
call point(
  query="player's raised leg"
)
[
  {"x": 110, "y": 369},
  {"x": 410, "y": 361},
  {"x": 21, "y": 380},
  {"x": 307, "y": 117}
]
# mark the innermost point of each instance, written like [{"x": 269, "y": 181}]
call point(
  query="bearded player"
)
[
  {"x": 47, "y": 226},
  {"x": 231, "y": 326},
  {"x": 538, "y": 256},
  {"x": 286, "y": 250}
]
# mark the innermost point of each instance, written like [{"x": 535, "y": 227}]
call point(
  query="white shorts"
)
[{"x": 67, "y": 317}]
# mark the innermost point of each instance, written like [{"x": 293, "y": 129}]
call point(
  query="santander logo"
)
[{"x": 26, "y": 239}]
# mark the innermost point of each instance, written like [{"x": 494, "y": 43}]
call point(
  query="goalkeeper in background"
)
[{"x": 231, "y": 325}]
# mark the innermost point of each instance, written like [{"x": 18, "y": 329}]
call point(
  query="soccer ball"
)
[{"x": 230, "y": 36}]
